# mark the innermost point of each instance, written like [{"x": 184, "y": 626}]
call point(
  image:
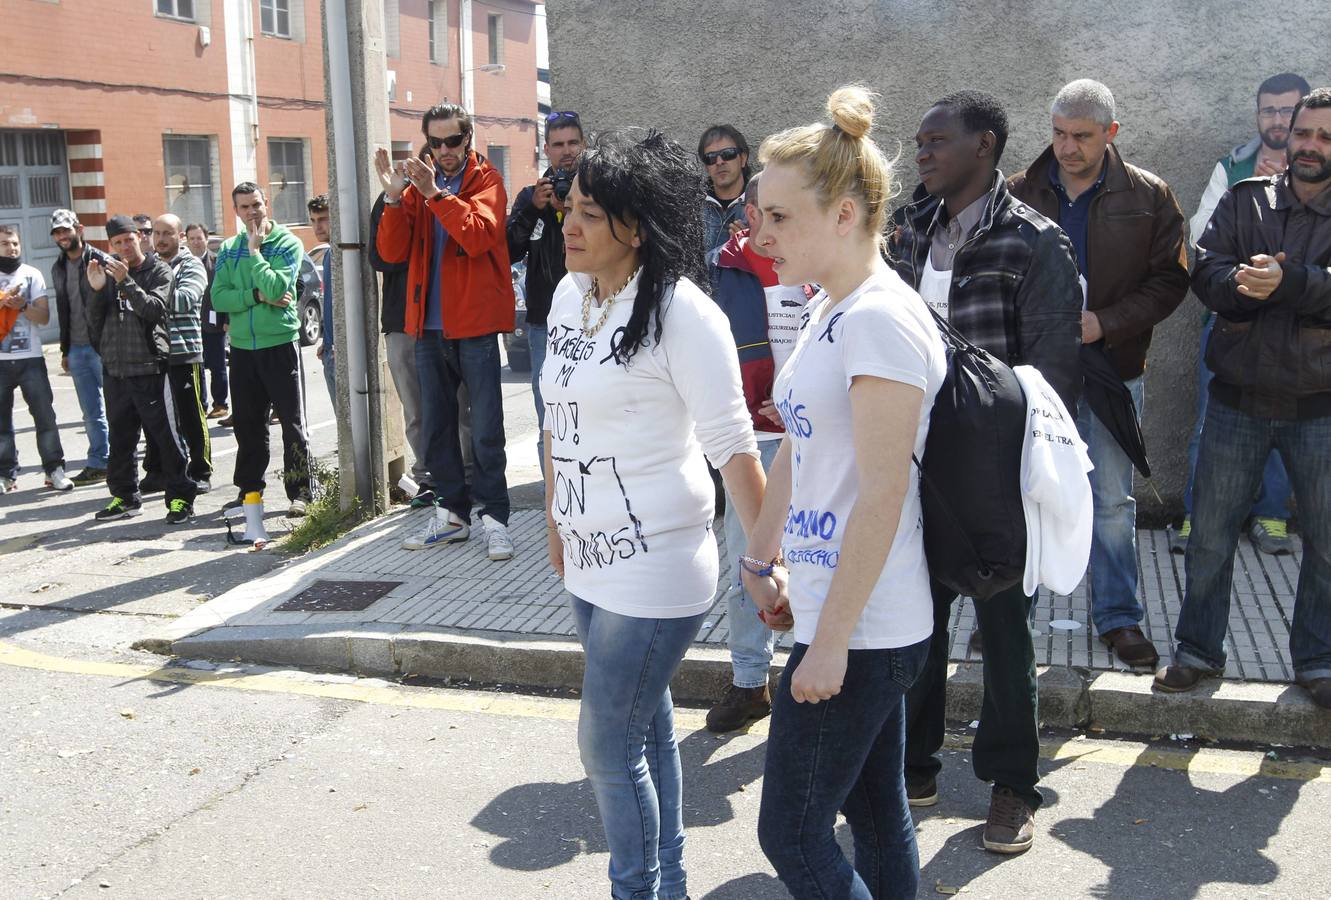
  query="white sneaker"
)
[
  {"x": 8, "y": 484},
  {"x": 59, "y": 480},
  {"x": 443, "y": 528},
  {"x": 499, "y": 545}
]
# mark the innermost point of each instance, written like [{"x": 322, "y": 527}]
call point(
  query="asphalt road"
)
[{"x": 122, "y": 778}]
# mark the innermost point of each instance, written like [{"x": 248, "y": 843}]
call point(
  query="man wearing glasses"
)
[
  {"x": 725, "y": 155},
  {"x": 444, "y": 217},
  {"x": 1263, "y": 155},
  {"x": 535, "y": 233}
]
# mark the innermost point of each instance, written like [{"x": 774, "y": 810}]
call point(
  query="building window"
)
[
  {"x": 496, "y": 35},
  {"x": 498, "y": 157},
  {"x": 436, "y": 12},
  {"x": 176, "y": 9},
  {"x": 189, "y": 178},
  {"x": 275, "y": 18},
  {"x": 286, "y": 181}
]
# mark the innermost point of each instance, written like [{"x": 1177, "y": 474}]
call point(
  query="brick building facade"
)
[{"x": 129, "y": 106}]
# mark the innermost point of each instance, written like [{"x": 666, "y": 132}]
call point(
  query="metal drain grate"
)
[{"x": 338, "y": 596}]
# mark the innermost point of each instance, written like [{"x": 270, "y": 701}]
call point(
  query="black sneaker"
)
[
  {"x": 424, "y": 497},
  {"x": 179, "y": 512},
  {"x": 234, "y": 504},
  {"x": 152, "y": 483},
  {"x": 202, "y": 485},
  {"x": 921, "y": 791},
  {"x": 89, "y": 475},
  {"x": 119, "y": 509}
]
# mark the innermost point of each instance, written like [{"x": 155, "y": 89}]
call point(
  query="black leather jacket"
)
[{"x": 1272, "y": 357}]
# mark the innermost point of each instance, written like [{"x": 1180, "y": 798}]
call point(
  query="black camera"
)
[{"x": 562, "y": 182}]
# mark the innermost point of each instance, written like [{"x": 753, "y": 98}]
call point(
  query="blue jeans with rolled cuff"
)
[{"x": 1234, "y": 449}]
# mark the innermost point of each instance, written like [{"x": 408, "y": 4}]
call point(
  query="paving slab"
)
[{"x": 453, "y": 613}]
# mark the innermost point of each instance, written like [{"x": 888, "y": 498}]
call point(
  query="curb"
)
[{"x": 1118, "y": 702}]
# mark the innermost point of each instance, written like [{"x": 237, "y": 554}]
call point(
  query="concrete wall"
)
[{"x": 1184, "y": 76}]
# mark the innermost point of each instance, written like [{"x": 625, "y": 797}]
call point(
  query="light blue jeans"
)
[
  {"x": 626, "y": 737},
  {"x": 751, "y": 641},
  {"x": 1114, "y": 536},
  {"x": 85, "y": 366}
]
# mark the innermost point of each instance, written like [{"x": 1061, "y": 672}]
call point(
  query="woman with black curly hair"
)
[{"x": 640, "y": 382}]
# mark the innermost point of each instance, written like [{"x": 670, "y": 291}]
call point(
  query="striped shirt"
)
[{"x": 189, "y": 283}]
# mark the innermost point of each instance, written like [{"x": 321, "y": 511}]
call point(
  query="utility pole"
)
[{"x": 371, "y": 440}]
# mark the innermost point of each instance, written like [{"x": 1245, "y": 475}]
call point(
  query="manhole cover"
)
[{"x": 338, "y": 596}]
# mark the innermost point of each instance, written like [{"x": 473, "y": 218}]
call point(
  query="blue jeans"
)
[
  {"x": 537, "y": 335},
  {"x": 1273, "y": 497},
  {"x": 1114, "y": 536},
  {"x": 626, "y": 737},
  {"x": 845, "y": 754},
  {"x": 330, "y": 378},
  {"x": 29, "y": 377},
  {"x": 441, "y": 367},
  {"x": 751, "y": 641},
  {"x": 85, "y": 365},
  {"x": 214, "y": 361},
  {"x": 1235, "y": 447}
]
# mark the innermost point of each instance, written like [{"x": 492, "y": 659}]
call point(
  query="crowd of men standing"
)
[{"x": 141, "y": 328}]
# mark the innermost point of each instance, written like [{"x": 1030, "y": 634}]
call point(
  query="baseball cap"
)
[{"x": 64, "y": 218}]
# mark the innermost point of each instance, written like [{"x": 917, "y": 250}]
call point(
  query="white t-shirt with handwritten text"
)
[
  {"x": 632, "y": 498},
  {"x": 882, "y": 329},
  {"x": 22, "y": 341}
]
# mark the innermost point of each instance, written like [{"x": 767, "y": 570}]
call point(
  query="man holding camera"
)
[
  {"x": 535, "y": 233},
  {"x": 445, "y": 218}
]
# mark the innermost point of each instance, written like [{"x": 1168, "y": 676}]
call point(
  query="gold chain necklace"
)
[{"x": 587, "y": 299}]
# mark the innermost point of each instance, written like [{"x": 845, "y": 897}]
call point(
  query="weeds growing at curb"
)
[{"x": 325, "y": 520}]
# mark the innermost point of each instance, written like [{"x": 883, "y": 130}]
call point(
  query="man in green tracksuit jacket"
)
[{"x": 255, "y": 283}]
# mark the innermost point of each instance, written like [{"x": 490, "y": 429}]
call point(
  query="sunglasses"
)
[
  {"x": 727, "y": 154},
  {"x": 556, "y": 117},
  {"x": 452, "y": 142},
  {"x": 146, "y": 232}
]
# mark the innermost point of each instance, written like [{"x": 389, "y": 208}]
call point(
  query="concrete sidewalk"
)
[{"x": 365, "y": 605}]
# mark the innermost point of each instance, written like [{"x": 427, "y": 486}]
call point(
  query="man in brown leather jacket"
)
[
  {"x": 1264, "y": 268},
  {"x": 1130, "y": 239}
]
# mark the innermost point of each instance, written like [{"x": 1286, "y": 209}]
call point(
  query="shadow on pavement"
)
[
  {"x": 1190, "y": 823},
  {"x": 547, "y": 824}
]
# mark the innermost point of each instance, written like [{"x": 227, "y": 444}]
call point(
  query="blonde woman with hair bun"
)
[{"x": 842, "y": 509}]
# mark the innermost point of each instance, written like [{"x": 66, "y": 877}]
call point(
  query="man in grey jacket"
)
[{"x": 129, "y": 323}]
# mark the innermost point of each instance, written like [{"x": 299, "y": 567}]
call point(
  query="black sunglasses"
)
[
  {"x": 146, "y": 232},
  {"x": 728, "y": 153},
  {"x": 556, "y": 117},
  {"x": 452, "y": 142}
]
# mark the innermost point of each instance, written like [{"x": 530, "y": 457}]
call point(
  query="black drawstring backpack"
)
[{"x": 970, "y": 478}]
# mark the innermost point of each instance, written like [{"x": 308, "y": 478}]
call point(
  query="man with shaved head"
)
[{"x": 189, "y": 284}]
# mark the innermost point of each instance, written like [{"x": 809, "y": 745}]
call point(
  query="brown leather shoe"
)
[
  {"x": 738, "y": 707},
  {"x": 1177, "y": 679},
  {"x": 1131, "y": 646},
  {"x": 1318, "y": 688},
  {"x": 1011, "y": 825}
]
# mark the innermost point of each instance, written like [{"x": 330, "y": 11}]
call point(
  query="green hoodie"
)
[{"x": 241, "y": 276}]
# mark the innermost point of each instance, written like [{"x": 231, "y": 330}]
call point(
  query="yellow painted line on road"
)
[{"x": 1125, "y": 754}]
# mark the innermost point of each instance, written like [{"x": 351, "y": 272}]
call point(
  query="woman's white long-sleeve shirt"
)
[{"x": 633, "y": 501}]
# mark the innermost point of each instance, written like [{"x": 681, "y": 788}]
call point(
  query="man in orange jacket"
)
[{"x": 445, "y": 219}]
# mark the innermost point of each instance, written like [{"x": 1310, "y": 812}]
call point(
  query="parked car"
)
[
  {"x": 515, "y": 343},
  {"x": 310, "y": 290}
]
